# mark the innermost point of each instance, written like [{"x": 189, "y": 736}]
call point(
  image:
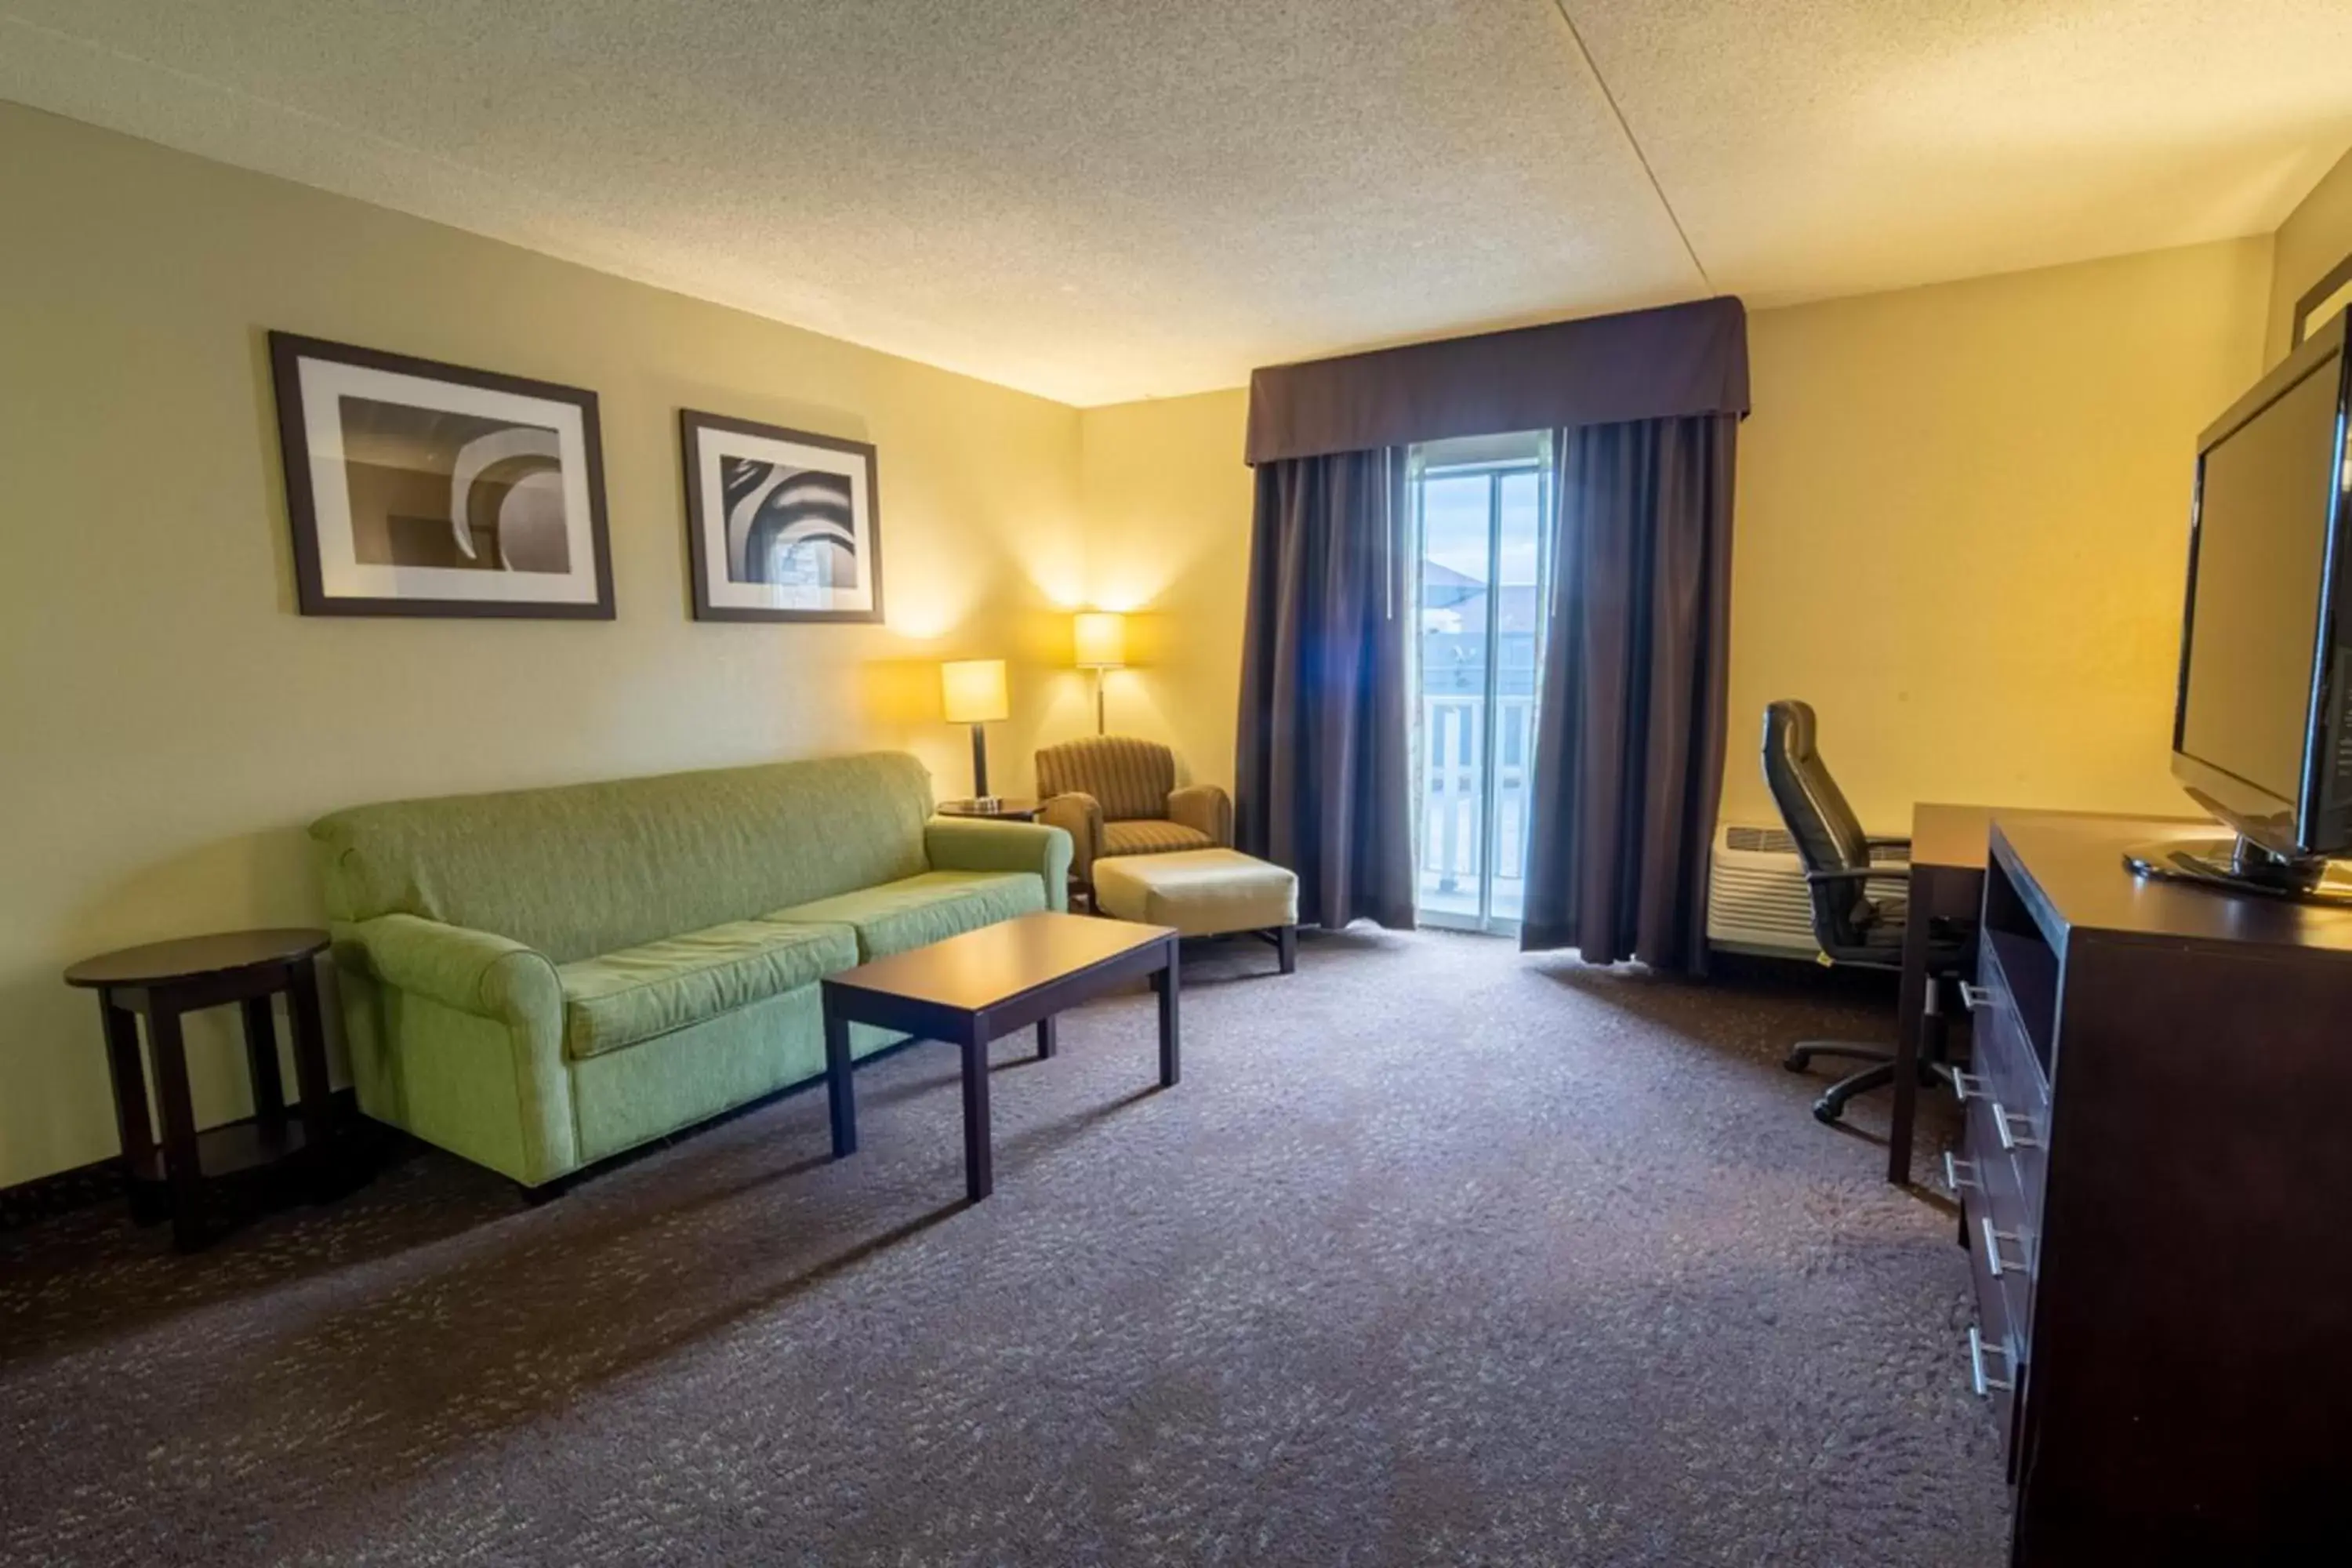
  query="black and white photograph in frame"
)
[
  {"x": 780, "y": 525},
  {"x": 422, "y": 488}
]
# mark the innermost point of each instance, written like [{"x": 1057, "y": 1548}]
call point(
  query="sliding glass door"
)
[{"x": 1484, "y": 552}]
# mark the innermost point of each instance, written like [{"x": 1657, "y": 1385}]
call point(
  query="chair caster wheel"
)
[
  {"x": 1826, "y": 1112},
  {"x": 1797, "y": 1061}
]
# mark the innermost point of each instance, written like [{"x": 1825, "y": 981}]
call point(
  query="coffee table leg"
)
[
  {"x": 1045, "y": 1036},
  {"x": 978, "y": 1171},
  {"x": 1169, "y": 982},
  {"x": 837, "y": 1094},
  {"x": 171, "y": 1098}
]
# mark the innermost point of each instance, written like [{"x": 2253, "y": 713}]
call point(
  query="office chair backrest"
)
[{"x": 1829, "y": 835}]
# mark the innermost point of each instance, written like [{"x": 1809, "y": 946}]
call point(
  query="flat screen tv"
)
[{"x": 2261, "y": 726}]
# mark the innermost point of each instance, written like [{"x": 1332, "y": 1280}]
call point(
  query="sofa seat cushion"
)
[
  {"x": 917, "y": 910},
  {"x": 1153, "y": 835},
  {"x": 619, "y": 998}
]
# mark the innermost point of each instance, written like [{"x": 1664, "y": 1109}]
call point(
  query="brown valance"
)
[{"x": 1602, "y": 370}]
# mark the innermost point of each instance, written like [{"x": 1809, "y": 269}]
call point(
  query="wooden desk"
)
[{"x": 1947, "y": 869}]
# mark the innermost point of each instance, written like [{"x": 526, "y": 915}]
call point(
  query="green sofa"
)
[{"x": 540, "y": 979}]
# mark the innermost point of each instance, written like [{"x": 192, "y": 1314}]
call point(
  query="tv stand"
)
[{"x": 2239, "y": 865}]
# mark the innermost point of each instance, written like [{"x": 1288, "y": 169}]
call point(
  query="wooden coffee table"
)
[{"x": 970, "y": 989}]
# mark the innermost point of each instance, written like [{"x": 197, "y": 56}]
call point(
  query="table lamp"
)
[
  {"x": 973, "y": 691},
  {"x": 1101, "y": 638}
]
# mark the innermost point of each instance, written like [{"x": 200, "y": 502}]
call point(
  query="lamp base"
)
[{"x": 979, "y": 763}]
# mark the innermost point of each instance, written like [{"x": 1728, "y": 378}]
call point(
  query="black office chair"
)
[{"x": 1851, "y": 924}]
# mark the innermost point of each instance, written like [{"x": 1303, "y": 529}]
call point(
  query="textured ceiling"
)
[{"x": 1105, "y": 199}]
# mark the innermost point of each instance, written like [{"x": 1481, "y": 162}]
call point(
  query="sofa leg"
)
[
  {"x": 544, "y": 1194},
  {"x": 1286, "y": 947}
]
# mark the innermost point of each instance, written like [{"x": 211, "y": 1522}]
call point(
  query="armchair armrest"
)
[
  {"x": 1861, "y": 873},
  {"x": 976, "y": 844},
  {"x": 1206, "y": 807},
  {"x": 472, "y": 970},
  {"x": 1079, "y": 815}
]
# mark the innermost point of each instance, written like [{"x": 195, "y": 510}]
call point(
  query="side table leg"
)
[
  {"x": 1169, "y": 984},
  {"x": 979, "y": 1168},
  {"x": 128, "y": 1072},
  {"x": 838, "y": 1096},
  {"x": 1045, "y": 1041},
  {"x": 181, "y": 1167},
  {"x": 310, "y": 1071},
  {"x": 261, "y": 1063}
]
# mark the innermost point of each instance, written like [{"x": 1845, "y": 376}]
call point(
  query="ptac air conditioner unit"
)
[{"x": 1756, "y": 897}]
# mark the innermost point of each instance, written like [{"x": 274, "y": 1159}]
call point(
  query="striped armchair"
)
[{"x": 1118, "y": 796}]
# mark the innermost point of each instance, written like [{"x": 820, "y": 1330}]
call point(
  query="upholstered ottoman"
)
[{"x": 1204, "y": 892}]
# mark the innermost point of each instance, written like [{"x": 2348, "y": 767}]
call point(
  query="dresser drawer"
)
[
  {"x": 2007, "y": 1097},
  {"x": 2003, "y": 1056},
  {"x": 1996, "y": 1354},
  {"x": 2002, "y": 1223}
]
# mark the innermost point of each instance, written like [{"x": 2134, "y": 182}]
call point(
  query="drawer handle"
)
[
  {"x": 1966, "y": 1086},
  {"x": 1954, "y": 1180},
  {"x": 1993, "y": 1239},
  {"x": 2012, "y": 1140},
  {"x": 1985, "y": 1381},
  {"x": 1973, "y": 997}
]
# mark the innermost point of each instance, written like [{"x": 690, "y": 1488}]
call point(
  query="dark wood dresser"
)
[{"x": 2153, "y": 1182}]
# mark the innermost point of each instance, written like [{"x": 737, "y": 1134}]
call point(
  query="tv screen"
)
[{"x": 2264, "y": 506}]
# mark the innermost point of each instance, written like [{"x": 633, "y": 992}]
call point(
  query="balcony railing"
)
[{"x": 1454, "y": 757}]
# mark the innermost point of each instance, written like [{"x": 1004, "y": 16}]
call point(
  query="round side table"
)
[
  {"x": 165, "y": 979},
  {"x": 1001, "y": 808}
]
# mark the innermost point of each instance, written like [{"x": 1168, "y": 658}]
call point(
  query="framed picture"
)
[
  {"x": 418, "y": 488},
  {"x": 780, "y": 525},
  {"x": 2326, "y": 299}
]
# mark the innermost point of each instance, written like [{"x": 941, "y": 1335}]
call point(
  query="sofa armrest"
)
[
  {"x": 1079, "y": 814},
  {"x": 977, "y": 844},
  {"x": 472, "y": 970},
  {"x": 1206, "y": 807}
]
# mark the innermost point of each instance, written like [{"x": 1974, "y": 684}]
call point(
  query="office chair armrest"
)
[{"x": 1875, "y": 842}]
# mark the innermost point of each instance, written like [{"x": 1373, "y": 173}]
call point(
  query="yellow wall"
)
[
  {"x": 2314, "y": 237},
  {"x": 1961, "y": 528},
  {"x": 1166, "y": 500},
  {"x": 169, "y": 722}
]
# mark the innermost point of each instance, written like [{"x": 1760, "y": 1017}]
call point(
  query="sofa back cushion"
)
[
  {"x": 1128, "y": 778},
  {"x": 586, "y": 868}
]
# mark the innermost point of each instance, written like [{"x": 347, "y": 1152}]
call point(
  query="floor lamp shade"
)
[
  {"x": 974, "y": 692},
  {"x": 1099, "y": 638}
]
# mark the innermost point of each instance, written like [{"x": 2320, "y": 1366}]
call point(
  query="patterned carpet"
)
[{"x": 1438, "y": 1255}]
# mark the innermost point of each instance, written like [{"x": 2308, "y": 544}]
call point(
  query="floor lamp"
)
[
  {"x": 1100, "y": 637},
  {"x": 973, "y": 691}
]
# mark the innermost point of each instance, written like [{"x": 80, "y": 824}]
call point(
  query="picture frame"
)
[
  {"x": 417, "y": 488},
  {"x": 2329, "y": 297},
  {"x": 780, "y": 525}
]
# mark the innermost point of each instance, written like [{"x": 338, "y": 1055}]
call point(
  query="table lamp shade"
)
[
  {"x": 1100, "y": 636},
  {"x": 973, "y": 691}
]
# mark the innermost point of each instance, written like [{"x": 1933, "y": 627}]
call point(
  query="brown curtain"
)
[
  {"x": 1322, "y": 758},
  {"x": 1630, "y": 730}
]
